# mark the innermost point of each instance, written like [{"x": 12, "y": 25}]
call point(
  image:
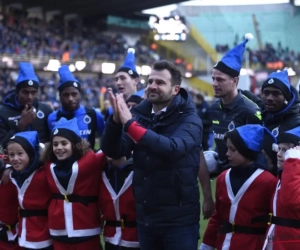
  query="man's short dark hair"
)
[{"x": 175, "y": 73}]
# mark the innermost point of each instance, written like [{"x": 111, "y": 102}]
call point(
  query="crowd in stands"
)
[
  {"x": 35, "y": 37},
  {"x": 272, "y": 54},
  {"x": 268, "y": 54}
]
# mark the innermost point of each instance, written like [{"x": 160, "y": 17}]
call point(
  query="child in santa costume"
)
[
  {"x": 243, "y": 191},
  {"x": 8, "y": 213},
  {"x": 118, "y": 206},
  {"x": 284, "y": 219},
  {"x": 73, "y": 174},
  {"x": 29, "y": 178}
]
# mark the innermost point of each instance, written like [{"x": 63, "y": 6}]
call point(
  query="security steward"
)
[
  {"x": 232, "y": 109},
  {"x": 21, "y": 111},
  {"x": 89, "y": 120}
]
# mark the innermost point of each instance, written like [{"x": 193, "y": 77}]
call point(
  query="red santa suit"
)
[
  {"x": 75, "y": 211},
  {"x": 253, "y": 198},
  {"x": 284, "y": 232},
  {"x": 119, "y": 213},
  {"x": 34, "y": 198},
  {"x": 8, "y": 215}
]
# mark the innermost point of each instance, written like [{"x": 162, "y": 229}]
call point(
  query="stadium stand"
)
[{"x": 224, "y": 27}]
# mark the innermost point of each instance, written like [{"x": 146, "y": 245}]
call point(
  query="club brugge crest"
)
[
  {"x": 30, "y": 82},
  {"x": 87, "y": 119},
  {"x": 271, "y": 81},
  {"x": 12, "y": 137},
  {"x": 130, "y": 72},
  {"x": 231, "y": 126},
  {"x": 40, "y": 114},
  {"x": 55, "y": 132},
  {"x": 75, "y": 84},
  {"x": 275, "y": 132}
]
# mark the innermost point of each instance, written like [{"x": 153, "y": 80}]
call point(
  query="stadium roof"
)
[{"x": 94, "y": 7}]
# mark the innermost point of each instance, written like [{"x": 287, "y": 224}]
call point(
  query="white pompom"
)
[
  {"x": 249, "y": 36},
  {"x": 132, "y": 50},
  {"x": 275, "y": 147}
]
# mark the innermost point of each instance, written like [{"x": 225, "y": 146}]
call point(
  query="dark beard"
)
[{"x": 165, "y": 99}]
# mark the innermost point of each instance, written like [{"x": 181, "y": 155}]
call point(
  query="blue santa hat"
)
[
  {"x": 129, "y": 64},
  {"x": 67, "y": 129},
  {"x": 232, "y": 61},
  {"x": 27, "y": 76},
  {"x": 249, "y": 139},
  {"x": 279, "y": 80},
  {"x": 29, "y": 141},
  {"x": 67, "y": 79},
  {"x": 291, "y": 136}
]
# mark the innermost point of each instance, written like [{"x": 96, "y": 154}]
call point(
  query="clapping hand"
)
[
  {"x": 113, "y": 103},
  {"x": 124, "y": 112},
  {"x": 121, "y": 112}
]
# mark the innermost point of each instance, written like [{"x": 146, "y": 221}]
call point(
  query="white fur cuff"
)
[{"x": 292, "y": 153}]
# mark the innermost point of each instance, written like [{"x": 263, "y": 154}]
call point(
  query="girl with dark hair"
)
[
  {"x": 73, "y": 174},
  {"x": 34, "y": 195},
  {"x": 242, "y": 192}
]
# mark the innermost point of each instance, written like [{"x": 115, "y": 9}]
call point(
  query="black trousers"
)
[{"x": 109, "y": 246}]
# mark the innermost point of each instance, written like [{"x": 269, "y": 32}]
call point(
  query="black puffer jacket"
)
[
  {"x": 10, "y": 113},
  {"x": 284, "y": 120},
  {"x": 165, "y": 162}
]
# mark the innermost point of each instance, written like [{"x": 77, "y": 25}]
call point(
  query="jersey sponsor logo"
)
[
  {"x": 14, "y": 118},
  {"x": 231, "y": 126},
  {"x": 85, "y": 132},
  {"x": 40, "y": 114},
  {"x": 87, "y": 119},
  {"x": 218, "y": 136},
  {"x": 275, "y": 132}
]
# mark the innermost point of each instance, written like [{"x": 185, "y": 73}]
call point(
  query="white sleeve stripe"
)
[{"x": 205, "y": 247}]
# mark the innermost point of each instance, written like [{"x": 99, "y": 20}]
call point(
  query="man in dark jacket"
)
[
  {"x": 280, "y": 111},
  {"x": 233, "y": 109},
  {"x": 165, "y": 135},
  {"x": 203, "y": 111},
  {"x": 20, "y": 110}
]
